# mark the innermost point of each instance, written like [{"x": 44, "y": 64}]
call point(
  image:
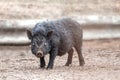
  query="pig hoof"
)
[
  {"x": 66, "y": 64},
  {"x": 48, "y": 68},
  {"x": 82, "y": 63},
  {"x": 42, "y": 66}
]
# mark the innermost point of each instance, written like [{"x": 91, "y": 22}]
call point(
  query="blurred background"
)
[{"x": 100, "y": 19}]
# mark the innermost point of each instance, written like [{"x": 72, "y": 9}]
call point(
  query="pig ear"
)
[
  {"x": 49, "y": 34},
  {"x": 29, "y": 34}
]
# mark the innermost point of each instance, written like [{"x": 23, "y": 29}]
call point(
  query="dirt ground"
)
[{"x": 102, "y": 63}]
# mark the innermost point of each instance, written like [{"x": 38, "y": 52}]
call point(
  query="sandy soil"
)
[{"x": 102, "y": 63}]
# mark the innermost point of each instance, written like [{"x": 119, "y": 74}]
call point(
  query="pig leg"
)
[
  {"x": 80, "y": 56},
  {"x": 69, "y": 59},
  {"x": 53, "y": 54},
  {"x": 42, "y": 62}
]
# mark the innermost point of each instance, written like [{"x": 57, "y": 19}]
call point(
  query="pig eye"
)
[{"x": 45, "y": 44}]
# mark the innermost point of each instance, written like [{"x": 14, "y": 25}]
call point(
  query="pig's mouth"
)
[{"x": 39, "y": 54}]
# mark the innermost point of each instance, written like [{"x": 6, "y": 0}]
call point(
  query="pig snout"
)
[{"x": 39, "y": 54}]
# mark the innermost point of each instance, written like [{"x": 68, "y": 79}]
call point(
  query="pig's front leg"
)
[
  {"x": 42, "y": 62},
  {"x": 53, "y": 54}
]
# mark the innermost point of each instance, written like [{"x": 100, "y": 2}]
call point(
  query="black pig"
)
[{"x": 56, "y": 37}]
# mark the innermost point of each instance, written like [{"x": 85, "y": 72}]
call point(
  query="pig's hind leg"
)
[
  {"x": 69, "y": 59},
  {"x": 78, "y": 48}
]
